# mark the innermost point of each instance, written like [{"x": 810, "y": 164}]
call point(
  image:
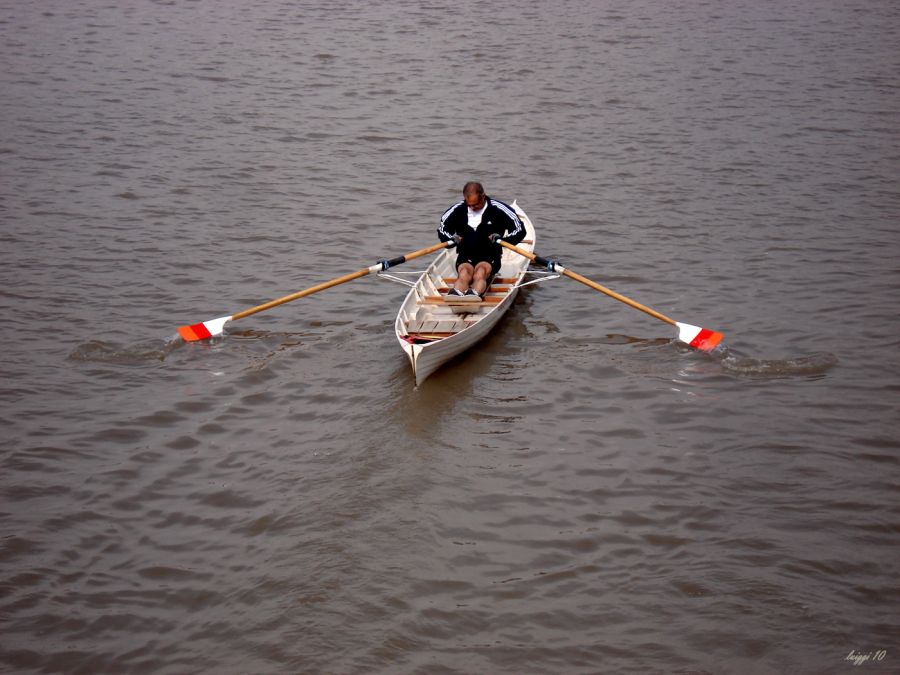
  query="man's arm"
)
[
  {"x": 515, "y": 229},
  {"x": 447, "y": 230}
]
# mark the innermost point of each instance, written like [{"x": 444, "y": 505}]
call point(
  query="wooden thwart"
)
[{"x": 496, "y": 280}]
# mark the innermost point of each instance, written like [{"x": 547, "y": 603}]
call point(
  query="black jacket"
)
[{"x": 498, "y": 218}]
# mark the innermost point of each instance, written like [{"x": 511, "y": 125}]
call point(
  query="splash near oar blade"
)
[
  {"x": 699, "y": 338},
  {"x": 204, "y": 330}
]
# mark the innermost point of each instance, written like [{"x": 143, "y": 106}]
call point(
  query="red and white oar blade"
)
[
  {"x": 697, "y": 337},
  {"x": 205, "y": 330}
]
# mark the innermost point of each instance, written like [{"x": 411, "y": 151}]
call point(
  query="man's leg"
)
[
  {"x": 481, "y": 277},
  {"x": 464, "y": 274}
]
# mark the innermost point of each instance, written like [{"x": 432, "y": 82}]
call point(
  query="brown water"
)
[{"x": 580, "y": 494}]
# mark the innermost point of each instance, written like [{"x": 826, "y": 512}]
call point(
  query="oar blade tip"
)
[
  {"x": 699, "y": 338},
  {"x": 193, "y": 333},
  {"x": 203, "y": 330},
  {"x": 709, "y": 341}
]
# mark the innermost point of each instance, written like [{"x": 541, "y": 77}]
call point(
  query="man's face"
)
[{"x": 475, "y": 201}]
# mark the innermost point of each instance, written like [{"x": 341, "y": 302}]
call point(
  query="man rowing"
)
[{"x": 477, "y": 224}]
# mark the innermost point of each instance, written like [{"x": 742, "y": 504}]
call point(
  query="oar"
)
[
  {"x": 207, "y": 329},
  {"x": 697, "y": 337}
]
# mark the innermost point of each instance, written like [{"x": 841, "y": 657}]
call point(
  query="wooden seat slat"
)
[{"x": 449, "y": 326}]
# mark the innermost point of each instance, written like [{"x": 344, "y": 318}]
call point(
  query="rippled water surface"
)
[{"x": 578, "y": 494}]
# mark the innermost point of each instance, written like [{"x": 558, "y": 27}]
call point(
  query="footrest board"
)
[{"x": 492, "y": 289}]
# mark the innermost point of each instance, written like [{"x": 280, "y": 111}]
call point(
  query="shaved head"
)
[
  {"x": 473, "y": 195},
  {"x": 473, "y": 189}
]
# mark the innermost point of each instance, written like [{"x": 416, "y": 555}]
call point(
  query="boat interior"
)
[
  {"x": 438, "y": 316},
  {"x": 429, "y": 314}
]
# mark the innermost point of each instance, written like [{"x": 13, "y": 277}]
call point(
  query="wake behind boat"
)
[{"x": 432, "y": 328}]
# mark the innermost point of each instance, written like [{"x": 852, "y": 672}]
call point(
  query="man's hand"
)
[
  {"x": 495, "y": 238},
  {"x": 456, "y": 239}
]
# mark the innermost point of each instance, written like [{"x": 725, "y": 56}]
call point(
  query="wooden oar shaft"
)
[
  {"x": 592, "y": 284},
  {"x": 618, "y": 296},
  {"x": 336, "y": 282},
  {"x": 301, "y": 294}
]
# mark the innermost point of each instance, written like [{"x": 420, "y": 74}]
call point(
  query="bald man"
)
[{"x": 477, "y": 223}]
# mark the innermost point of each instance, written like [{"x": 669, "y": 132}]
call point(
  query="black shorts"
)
[{"x": 495, "y": 263}]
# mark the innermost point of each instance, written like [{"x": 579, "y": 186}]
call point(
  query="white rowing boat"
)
[{"x": 432, "y": 328}]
